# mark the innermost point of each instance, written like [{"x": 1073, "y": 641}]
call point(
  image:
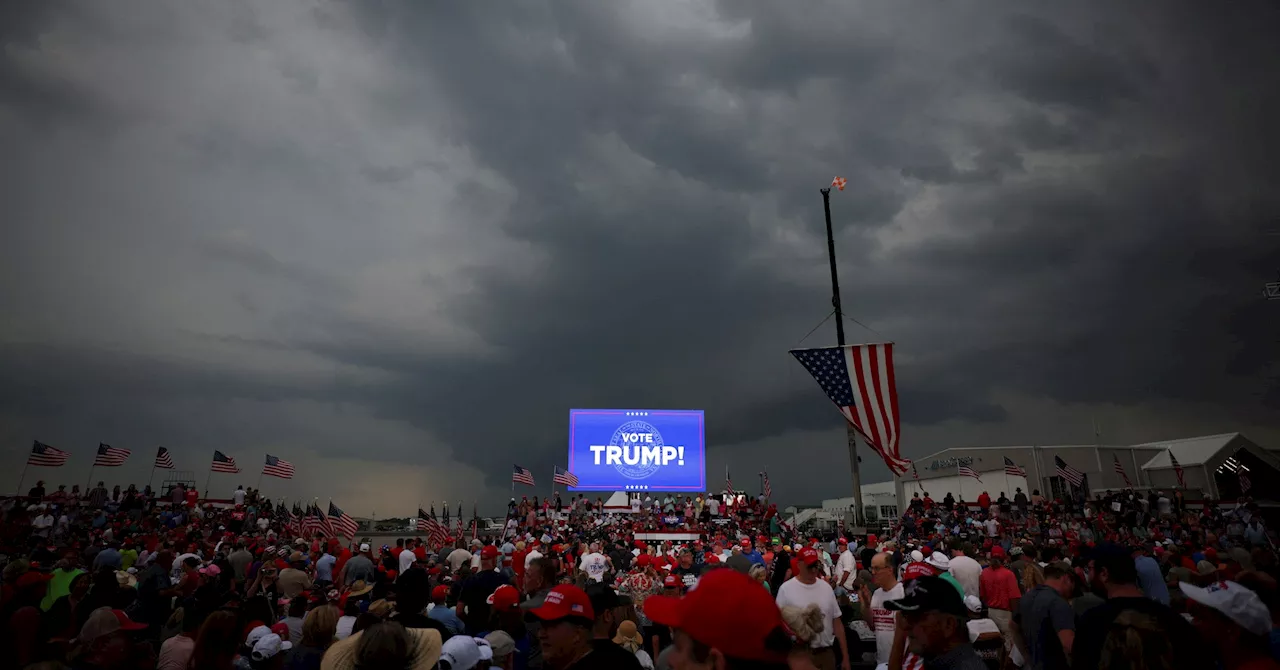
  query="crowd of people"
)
[{"x": 123, "y": 579}]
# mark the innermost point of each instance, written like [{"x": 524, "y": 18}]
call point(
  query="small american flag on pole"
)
[
  {"x": 47, "y": 456},
  {"x": 1011, "y": 468},
  {"x": 839, "y": 183},
  {"x": 563, "y": 476},
  {"x": 1177, "y": 470},
  {"x": 519, "y": 475},
  {"x": 436, "y": 531},
  {"x": 858, "y": 378},
  {"x": 342, "y": 522},
  {"x": 768, "y": 489},
  {"x": 966, "y": 471},
  {"x": 1072, "y": 475},
  {"x": 728, "y": 483},
  {"x": 1120, "y": 471},
  {"x": 1245, "y": 484},
  {"x": 110, "y": 457},
  {"x": 223, "y": 463},
  {"x": 164, "y": 460},
  {"x": 278, "y": 467}
]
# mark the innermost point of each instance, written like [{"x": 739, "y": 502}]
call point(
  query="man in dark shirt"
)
[
  {"x": 605, "y": 603},
  {"x": 413, "y": 592},
  {"x": 1116, "y": 576},
  {"x": 686, "y": 570},
  {"x": 1047, "y": 623},
  {"x": 565, "y": 637},
  {"x": 473, "y": 607}
]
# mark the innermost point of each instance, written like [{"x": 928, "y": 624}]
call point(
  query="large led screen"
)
[{"x": 637, "y": 450}]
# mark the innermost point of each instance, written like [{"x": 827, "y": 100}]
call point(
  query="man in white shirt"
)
[
  {"x": 966, "y": 570},
  {"x": 239, "y": 495},
  {"x": 42, "y": 523},
  {"x": 882, "y": 621},
  {"x": 533, "y": 555},
  {"x": 406, "y": 557},
  {"x": 805, "y": 589},
  {"x": 594, "y": 564},
  {"x": 846, "y": 567},
  {"x": 714, "y": 504}
]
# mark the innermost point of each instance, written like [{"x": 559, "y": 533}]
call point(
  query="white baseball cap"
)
[
  {"x": 268, "y": 646},
  {"x": 364, "y": 547},
  {"x": 1235, "y": 602},
  {"x": 973, "y": 604},
  {"x": 916, "y": 556},
  {"x": 256, "y": 634},
  {"x": 461, "y": 652}
]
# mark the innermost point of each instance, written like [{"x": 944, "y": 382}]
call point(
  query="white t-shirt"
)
[
  {"x": 456, "y": 558},
  {"x": 967, "y": 572},
  {"x": 530, "y": 557},
  {"x": 884, "y": 621},
  {"x": 715, "y": 506},
  {"x": 238, "y": 496},
  {"x": 594, "y": 565},
  {"x": 406, "y": 559},
  {"x": 263, "y": 523},
  {"x": 980, "y": 627},
  {"x": 795, "y": 593},
  {"x": 847, "y": 563},
  {"x": 993, "y": 527}
]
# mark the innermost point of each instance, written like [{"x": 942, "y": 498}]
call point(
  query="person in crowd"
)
[
  {"x": 1128, "y": 612},
  {"x": 608, "y": 608},
  {"x": 319, "y": 629},
  {"x": 727, "y": 623},
  {"x": 998, "y": 588},
  {"x": 441, "y": 612},
  {"x": 1235, "y": 621},
  {"x": 413, "y": 594},
  {"x": 175, "y": 652},
  {"x": 473, "y": 606},
  {"x": 503, "y": 647},
  {"x": 883, "y": 622},
  {"x": 565, "y": 635},
  {"x": 808, "y": 588},
  {"x": 935, "y": 622},
  {"x": 1047, "y": 624}
]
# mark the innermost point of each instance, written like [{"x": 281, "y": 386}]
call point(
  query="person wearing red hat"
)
[
  {"x": 998, "y": 588},
  {"x": 807, "y": 588},
  {"x": 565, "y": 630},
  {"x": 473, "y": 606},
  {"x": 728, "y": 621}
]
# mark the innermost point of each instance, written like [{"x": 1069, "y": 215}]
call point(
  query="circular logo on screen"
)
[{"x": 637, "y": 457}]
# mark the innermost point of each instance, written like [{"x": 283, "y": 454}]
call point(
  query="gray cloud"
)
[{"x": 455, "y": 224}]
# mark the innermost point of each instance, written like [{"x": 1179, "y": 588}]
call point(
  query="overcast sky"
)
[{"x": 395, "y": 242}]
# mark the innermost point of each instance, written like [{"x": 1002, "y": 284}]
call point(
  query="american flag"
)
[
  {"x": 223, "y": 463},
  {"x": 519, "y": 475},
  {"x": 966, "y": 471},
  {"x": 278, "y": 467},
  {"x": 1011, "y": 468},
  {"x": 914, "y": 475},
  {"x": 285, "y": 519},
  {"x": 839, "y": 183},
  {"x": 858, "y": 378},
  {"x": 164, "y": 460},
  {"x": 324, "y": 523},
  {"x": 47, "y": 456},
  {"x": 436, "y": 531},
  {"x": 342, "y": 522},
  {"x": 458, "y": 520},
  {"x": 444, "y": 510},
  {"x": 1245, "y": 484},
  {"x": 298, "y": 518},
  {"x": 1120, "y": 471},
  {"x": 1072, "y": 475},
  {"x": 768, "y": 489},
  {"x": 110, "y": 457},
  {"x": 1177, "y": 470},
  {"x": 561, "y": 476},
  {"x": 728, "y": 485}
]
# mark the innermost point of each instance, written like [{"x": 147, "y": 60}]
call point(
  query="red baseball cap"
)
[
  {"x": 746, "y": 542},
  {"x": 440, "y": 592},
  {"x": 914, "y": 570},
  {"x": 505, "y": 597},
  {"x": 844, "y": 541},
  {"x": 488, "y": 552},
  {"x": 808, "y": 556},
  {"x": 997, "y": 551},
  {"x": 726, "y": 610},
  {"x": 671, "y": 582},
  {"x": 643, "y": 560},
  {"x": 563, "y": 601}
]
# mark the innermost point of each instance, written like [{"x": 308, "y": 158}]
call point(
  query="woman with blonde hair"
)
[
  {"x": 318, "y": 631},
  {"x": 805, "y": 622}
]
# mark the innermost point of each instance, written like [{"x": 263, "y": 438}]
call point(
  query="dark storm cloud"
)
[{"x": 1054, "y": 202}]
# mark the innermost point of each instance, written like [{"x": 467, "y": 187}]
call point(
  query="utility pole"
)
[{"x": 859, "y": 519}]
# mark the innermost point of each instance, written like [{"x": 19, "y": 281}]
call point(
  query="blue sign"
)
[{"x": 637, "y": 450}]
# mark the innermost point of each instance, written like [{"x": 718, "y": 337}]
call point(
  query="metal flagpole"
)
[
  {"x": 959, "y": 482},
  {"x": 23, "y": 476},
  {"x": 91, "y": 469},
  {"x": 153, "y": 475},
  {"x": 207, "y": 480},
  {"x": 851, "y": 434}
]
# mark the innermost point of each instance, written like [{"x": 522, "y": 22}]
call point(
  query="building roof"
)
[{"x": 1189, "y": 451}]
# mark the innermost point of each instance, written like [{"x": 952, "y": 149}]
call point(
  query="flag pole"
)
[
  {"x": 23, "y": 476},
  {"x": 153, "y": 475},
  {"x": 851, "y": 434},
  {"x": 91, "y": 469},
  {"x": 207, "y": 480}
]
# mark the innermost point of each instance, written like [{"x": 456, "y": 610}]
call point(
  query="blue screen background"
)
[{"x": 680, "y": 427}]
